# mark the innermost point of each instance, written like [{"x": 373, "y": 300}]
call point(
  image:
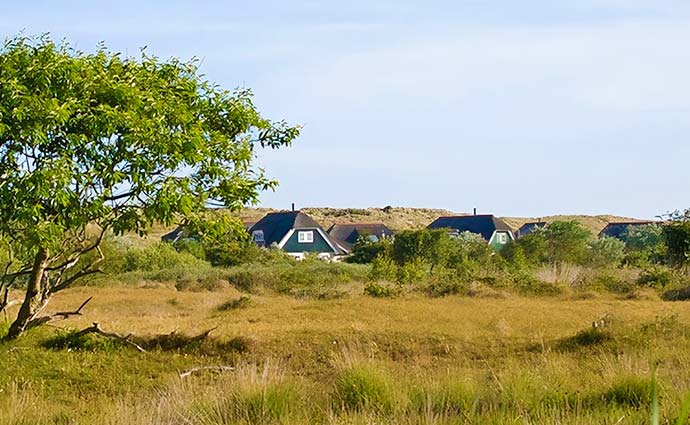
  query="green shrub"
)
[
  {"x": 657, "y": 277},
  {"x": 606, "y": 251},
  {"x": 310, "y": 278},
  {"x": 233, "y": 253},
  {"x": 566, "y": 242},
  {"x": 677, "y": 238},
  {"x": 159, "y": 256},
  {"x": 533, "y": 247},
  {"x": 382, "y": 289},
  {"x": 365, "y": 250},
  {"x": 680, "y": 294},
  {"x": 616, "y": 281},
  {"x": 191, "y": 246},
  {"x": 469, "y": 246},
  {"x": 412, "y": 272},
  {"x": 527, "y": 283},
  {"x": 422, "y": 246},
  {"x": 644, "y": 244},
  {"x": 383, "y": 268},
  {"x": 443, "y": 283},
  {"x": 363, "y": 388},
  {"x": 244, "y": 279}
]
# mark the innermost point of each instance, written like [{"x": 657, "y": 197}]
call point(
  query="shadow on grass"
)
[{"x": 174, "y": 342}]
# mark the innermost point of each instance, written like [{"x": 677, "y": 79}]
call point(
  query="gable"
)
[{"x": 318, "y": 242}]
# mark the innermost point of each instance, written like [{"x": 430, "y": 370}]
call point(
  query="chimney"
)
[
  {"x": 293, "y": 206},
  {"x": 475, "y": 211}
]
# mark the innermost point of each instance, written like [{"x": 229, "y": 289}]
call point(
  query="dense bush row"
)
[{"x": 562, "y": 256}]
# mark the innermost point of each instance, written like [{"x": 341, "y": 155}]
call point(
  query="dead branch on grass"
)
[
  {"x": 96, "y": 329},
  {"x": 192, "y": 371}
]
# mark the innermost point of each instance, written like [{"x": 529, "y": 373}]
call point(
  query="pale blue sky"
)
[{"x": 517, "y": 108}]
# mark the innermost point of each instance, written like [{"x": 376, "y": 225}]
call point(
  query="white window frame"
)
[
  {"x": 502, "y": 238},
  {"x": 305, "y": 236},
  {"x": 258, "y": 236}
]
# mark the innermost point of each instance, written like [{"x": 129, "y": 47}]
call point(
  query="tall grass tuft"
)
[
  {"x": 360, "y": 385},
  {"x": 258, "y": 395},
  {"x": 443, "y": 396}
]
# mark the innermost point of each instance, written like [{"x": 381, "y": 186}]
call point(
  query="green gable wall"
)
[
  {"x": 319, "y": 244},
  {"x": 494, "y": 241}
]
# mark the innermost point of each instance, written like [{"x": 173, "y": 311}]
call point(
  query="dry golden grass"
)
[
  {"x": 498, "y": 360},
  {"x": 470, "y": 320}
]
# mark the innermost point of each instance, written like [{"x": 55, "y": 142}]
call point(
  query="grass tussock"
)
[{"x": 236, "y": 304}]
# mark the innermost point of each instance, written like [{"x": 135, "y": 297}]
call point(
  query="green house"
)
[
  {"x": 295, "y": 233},
  {"x": 494, "y": 230}
]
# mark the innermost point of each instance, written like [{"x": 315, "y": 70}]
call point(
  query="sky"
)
[{"x": 526, "y": 108}]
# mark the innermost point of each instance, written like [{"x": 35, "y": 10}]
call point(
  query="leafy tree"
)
[
  {"x": 677, "y": 236},
  {"x": 531, "y": 249},
  {"x": 92, "y": 143},
  {"x": 644, "y": 244},
  {"x": 366, "y": 250},
  {"x": 422, "y": 246},
  {"x": 606, "y": 251},
  {"x": 470, "y": 247},
  {"x": 566, "y": 242}
]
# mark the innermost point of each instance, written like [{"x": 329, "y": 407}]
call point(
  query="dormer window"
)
[
  {"x": 305, "y": 236},
  {"x": 502, "y": 238},
  {"x": 258, "y": 236}
]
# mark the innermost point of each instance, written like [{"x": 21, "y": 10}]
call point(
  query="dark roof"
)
[
  {"x": 179, "y": 233},
  {"x": 276, "y": 225},
  {"x": 530, "y": 227},
  {"x": 484, "y": 225},
  {"x": 348, "y": 233},
  {"x": 616, "y": 230}
]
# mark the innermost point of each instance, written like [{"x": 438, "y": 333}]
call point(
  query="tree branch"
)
[
  {"x": 192, "y": 371},
  {"x": 96, "y": 329},
  {"x": 59, "y": 315}
]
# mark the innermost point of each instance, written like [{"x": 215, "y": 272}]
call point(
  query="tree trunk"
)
[{"x": 36, "y": 295}]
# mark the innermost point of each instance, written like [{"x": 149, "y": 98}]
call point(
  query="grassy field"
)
[{"x": 360, "y": 360}]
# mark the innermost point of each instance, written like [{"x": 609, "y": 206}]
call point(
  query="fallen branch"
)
[
  {"x": 192, "y": 371},
  {"x": 96, "y": 329},
  {"x": 59, "y": 315},
  {"x": 202, "y": 335}
]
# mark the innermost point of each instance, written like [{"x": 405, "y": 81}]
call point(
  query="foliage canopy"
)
[{"x": 97, "y": 141}]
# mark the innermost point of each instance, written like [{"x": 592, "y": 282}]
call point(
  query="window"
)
[
  {"x": 258, "y": 235},
  {"x": 305, "y": 236},
  {"x": 502, "y": 238}
]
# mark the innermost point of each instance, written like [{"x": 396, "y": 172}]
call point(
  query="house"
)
[
  {"x": 179, "y": 233},
  {"x": 617, "y": 230},
  {"x": 295, "y": 233},
  {"x": 346, "y": 235},
  {"x": 496, "y": 232},
  {"x": 530, "y": 227}
]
